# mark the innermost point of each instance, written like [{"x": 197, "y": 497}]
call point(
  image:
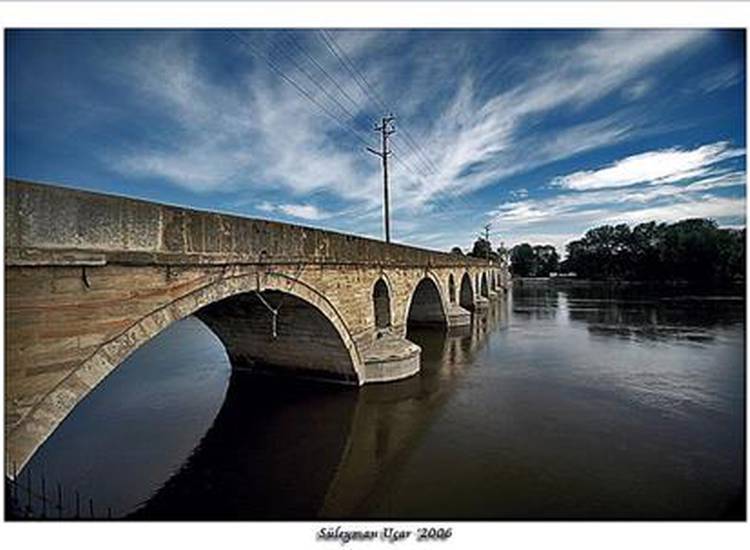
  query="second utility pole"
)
[
  {"x": 487, "y": 238},
  {"x": 385, "y": 130}
]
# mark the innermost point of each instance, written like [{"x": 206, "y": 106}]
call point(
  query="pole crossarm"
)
[{"x": 386, "y": 129}]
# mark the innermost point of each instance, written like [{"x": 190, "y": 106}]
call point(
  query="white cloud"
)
[
  {"x": 637, "y": 90},
  {"x": 304, "y": 211},
  {"x": 603, "y": 206},
  {"x": 572, "y": 214},
  {"x": 483, "y": 141},
  {"x": 261, "y": 132},
  {"x": 663, "y": 166},
  {"x": 257, "y": 132},
  {"x": 721, "y": 78},
  {"x": 706, "y": 206}
]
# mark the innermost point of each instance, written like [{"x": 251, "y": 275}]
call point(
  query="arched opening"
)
[
  {"x": 451, "y": 289},
  {"x": 381, "y": 300},
  {"x": 466, "y": 296},
  {"x": 485, "y": 290},
  {"x": 426, "y": 306},
  {"x": 308, "y": 337},
  {"x": 299, "y": 340},
  {"x": 181, "y": 373},
  {"x": 477, "y": 284},
  {"x": 150, "y": 413}
]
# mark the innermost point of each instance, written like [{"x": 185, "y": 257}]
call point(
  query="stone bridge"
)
[{"x": 91, "y": 277}]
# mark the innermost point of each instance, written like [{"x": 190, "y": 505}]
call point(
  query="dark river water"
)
[{"x": 574, "y": 403}]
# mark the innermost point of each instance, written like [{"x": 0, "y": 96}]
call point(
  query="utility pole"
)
[
  {"x": 385, "y": 129},
  {"x": 487, "y": 238}
]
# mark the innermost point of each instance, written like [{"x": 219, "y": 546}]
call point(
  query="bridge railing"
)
[
  {"x": 34, "y": 498},
  {"x": 94, "y": 228}
]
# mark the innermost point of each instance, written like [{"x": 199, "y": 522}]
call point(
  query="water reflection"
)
[
  {"x": 652, "y": 315},
  {"x": 536, "y": 302},
  {"x": 281, "y": 448},
  {"x": 139, "y": 424},
  {"x": 559, "y": 403},
  {"x": 270, "y": 453},
  {"x": 390, "y": 419}
]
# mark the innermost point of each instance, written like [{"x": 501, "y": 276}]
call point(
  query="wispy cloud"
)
[
  {"x": 255, "y": 134},
  {"x": 262, "y": 133},
  {"x": 486, "y": 140},
  {"x": 301, "y": 211},
  {"x": 663, "y": 166},
  {"x": 723, "y": 77},
  {"x": 225, "y": 128},
  {"x": 569, "y": 210}
]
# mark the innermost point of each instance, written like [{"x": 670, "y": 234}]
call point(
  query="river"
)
[{"x": 581, "y": 403}]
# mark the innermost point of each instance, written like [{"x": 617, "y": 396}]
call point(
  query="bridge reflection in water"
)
[{"x": 285, "y": 448}]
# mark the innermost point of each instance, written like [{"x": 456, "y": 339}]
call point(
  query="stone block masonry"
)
[{"x": 91, "y": 277}]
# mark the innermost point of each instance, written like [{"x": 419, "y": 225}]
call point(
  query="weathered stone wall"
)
[
  {"x": 89, "y": 278},
  {"x": 53, "y": 218}
]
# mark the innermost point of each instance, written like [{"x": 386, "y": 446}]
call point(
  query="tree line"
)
[{"x": 692, "y": 250}]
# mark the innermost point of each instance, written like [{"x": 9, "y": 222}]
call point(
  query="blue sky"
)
[{"x": 543, "y": 133}]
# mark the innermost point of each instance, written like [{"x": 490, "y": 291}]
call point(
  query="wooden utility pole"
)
[
  {"x": 487, "y": 238},
  {"x": 385, "y": 129}
]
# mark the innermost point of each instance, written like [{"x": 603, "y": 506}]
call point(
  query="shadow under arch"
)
[
  {"x": 427, "y": 304},
  {"x": 264, "y": 457},
  {"x": 381, "y": 302},
  {"x": 466, "y": 294},
  {"x": 485, "y": 289},
  {"x": 227, "y": 296}
]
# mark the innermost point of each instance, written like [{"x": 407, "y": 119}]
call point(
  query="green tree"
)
[
  {"x": 523, "y": 260},
  {"x": 546, "y": 260},
  {"x": 483, "y": 249},
  {"x": 692, "y": 250}
]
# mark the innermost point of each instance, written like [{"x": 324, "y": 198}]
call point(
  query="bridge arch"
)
[
  {"x": 46, "y": 415},
  {"x": 484, "y": 290},
  {"x": 427, "y": 304},
  {"x": 381, "y": 302},
  {"x": 466, "y": 293}
]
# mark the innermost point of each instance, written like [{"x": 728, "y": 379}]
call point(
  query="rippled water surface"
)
[{"x": 574, "y": 403}]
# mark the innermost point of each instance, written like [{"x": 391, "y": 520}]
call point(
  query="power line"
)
[
  {"x": 343, "y": 58},
  {"x": 372, "y": 94},
  {"x": 362, "y": 82},
  {"x": 419, "y": 161},
  {"x": 312, "y": 79},
  {"x": 305, "y": 93},
  {"x": 319, "y": 66},
  {"x": 370, "y": 91}
]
